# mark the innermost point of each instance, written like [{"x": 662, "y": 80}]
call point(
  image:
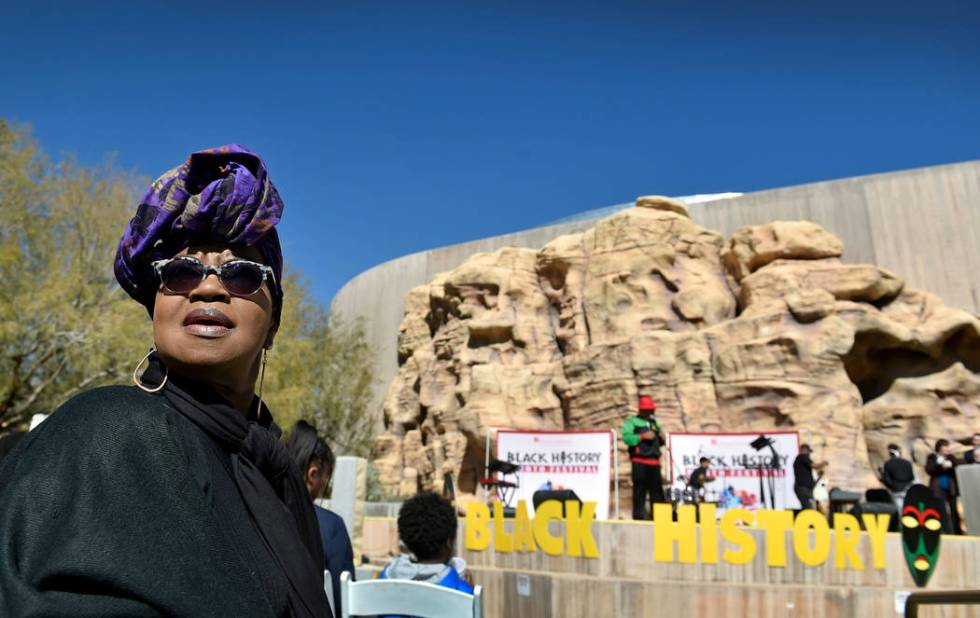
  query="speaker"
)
[
  {"x": 561, "y": 495},
  {"x": 878, "y": 495},
  {"x": 877, "y": 508},
  {"x": 840, "y": 498}
]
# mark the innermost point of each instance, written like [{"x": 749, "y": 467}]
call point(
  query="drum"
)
[
  {"x": 712, "y": 496},
  {"x": 675, "y": 492}
]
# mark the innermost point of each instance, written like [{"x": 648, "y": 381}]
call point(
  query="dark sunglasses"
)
[{"x": 181, "y": 275}]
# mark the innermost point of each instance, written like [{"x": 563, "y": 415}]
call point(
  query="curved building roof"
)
[{"x": 608, "y": 211}]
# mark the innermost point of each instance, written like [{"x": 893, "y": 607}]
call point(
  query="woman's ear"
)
[{"x": 312, "y": 474}]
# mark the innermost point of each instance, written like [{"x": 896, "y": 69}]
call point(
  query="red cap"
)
[{"x": 646, "y": 403}]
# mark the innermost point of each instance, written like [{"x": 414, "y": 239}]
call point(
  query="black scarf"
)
[{"x": 274, "y": 493}]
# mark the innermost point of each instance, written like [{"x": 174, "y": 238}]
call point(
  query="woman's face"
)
[{"x": 209, "y": 334}]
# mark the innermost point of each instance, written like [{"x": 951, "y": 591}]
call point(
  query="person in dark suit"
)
[
  {"x": 972, "y": 456},
  {"x": 315, "y": 461},
  {"x": 803, "y": 481},
  {"x": 940, "y": 467},
  {"x": 897, "y": 474}
]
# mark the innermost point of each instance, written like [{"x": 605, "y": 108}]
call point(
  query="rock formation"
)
[{"x": 767, "y": 330}]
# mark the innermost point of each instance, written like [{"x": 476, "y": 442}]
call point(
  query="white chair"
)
[
  {"x": 407, "y": 598},
  {"x": 328, "y": 589}
]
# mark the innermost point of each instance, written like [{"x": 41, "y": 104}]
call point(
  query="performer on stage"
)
[
  {"x": 804, "y": 482},
  {"x": 699, "y": 478},
  {"x": 897, "y": 474},
  {"x": 642, "y": 434},
  {"x": 940, "y": 466},
  {"x": 972, "y": 456}
]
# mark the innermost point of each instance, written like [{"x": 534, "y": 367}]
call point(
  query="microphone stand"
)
[
  {"x": 774, "y": 465},
  {"x": 767, "y": 470},
  {"x": 762, "y": 485}
]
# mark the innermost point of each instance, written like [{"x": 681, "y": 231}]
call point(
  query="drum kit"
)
[
  {"x": 682, "y": 492},
  {"x": 501, "y": 482}
]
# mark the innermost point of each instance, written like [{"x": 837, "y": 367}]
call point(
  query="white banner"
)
[
  {"x": 576, "y": 460},
  {"x": 738, "y": 468}
]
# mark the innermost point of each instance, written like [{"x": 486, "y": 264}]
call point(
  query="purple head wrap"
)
[{"x": 218, "y": 195}]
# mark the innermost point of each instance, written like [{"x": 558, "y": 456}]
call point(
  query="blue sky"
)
[{"x": 392, "y": 127}]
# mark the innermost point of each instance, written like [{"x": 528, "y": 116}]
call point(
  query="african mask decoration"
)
[{"x": 922, "y": 522}]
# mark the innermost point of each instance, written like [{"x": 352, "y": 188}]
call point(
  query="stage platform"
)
[{"x": 625, "y": 580}]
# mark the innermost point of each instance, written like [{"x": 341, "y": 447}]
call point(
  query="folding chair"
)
[
  {"x": 328, "y": 589},
  {"x": 407, "y": 598}
]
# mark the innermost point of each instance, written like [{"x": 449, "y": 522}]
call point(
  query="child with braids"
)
[{"x": 427, "y": 529}]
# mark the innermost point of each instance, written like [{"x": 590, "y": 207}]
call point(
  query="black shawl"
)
[{"x": 111, "y": 507}]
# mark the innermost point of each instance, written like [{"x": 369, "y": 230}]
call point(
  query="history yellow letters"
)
[{"x": 811, "y": 536}]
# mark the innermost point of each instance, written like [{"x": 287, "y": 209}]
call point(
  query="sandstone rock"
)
[
  {"x": 916, "y": 411},
  {"x": 784, "y": 280},
  {"x": 386, "y": 456},
  {"x": 752, "y": 247},
  {"x": 770, "y": 330},
  {"x": 414, "y": 332},
  {"x": 401, "y": 407},
  {"x": 637, "y": 263},
  {"x": 810, "y": 305},
  {"x": 662, "y": 202},
  {"x": 409, "y": 482}
]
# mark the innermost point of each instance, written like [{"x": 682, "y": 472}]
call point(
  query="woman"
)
[
  {"x": 315, "y": 460},
  {"x": 174, "y": 496}
]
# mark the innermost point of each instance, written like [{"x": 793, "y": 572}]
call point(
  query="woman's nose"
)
[{"x": 210, "y": 289}]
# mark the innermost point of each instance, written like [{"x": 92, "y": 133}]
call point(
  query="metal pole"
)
[
  {"x": 615, "y": 446},
  {"x": 486, "y": 462},
  {"x": 940, "y": 597}
]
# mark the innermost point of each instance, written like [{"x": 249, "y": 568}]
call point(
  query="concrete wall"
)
[{"x": 921, "y": 224}]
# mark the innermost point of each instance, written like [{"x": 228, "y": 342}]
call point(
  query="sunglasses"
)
[{"x": 181, "y": 275}]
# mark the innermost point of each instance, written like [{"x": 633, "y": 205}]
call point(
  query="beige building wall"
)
[{"x": 921, "y": 224}]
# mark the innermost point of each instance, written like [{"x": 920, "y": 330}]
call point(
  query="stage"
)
[{"x": 626, "y": 580}]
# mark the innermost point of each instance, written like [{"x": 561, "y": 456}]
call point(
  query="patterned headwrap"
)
[{"x": 218, "y": 195}]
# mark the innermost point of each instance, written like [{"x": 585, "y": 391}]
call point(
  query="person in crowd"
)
[
  {"x": 972, "y": 456},
  {"x": 940, "y": 466},
  {"x": 427, "y": 530},
  {"x": 315, "y": 461},
  {"x": 174, "y": 496},
  {"x": 897, "y": 474},
  {"x": 803, "y": 478},
  {"x": 699, "y": 478},
  {"x": 643, "y": 436}
]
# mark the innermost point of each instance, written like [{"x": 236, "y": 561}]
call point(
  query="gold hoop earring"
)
[
  {"x": 139, "y": 383},
  {"x": 265, "y": 359}
]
